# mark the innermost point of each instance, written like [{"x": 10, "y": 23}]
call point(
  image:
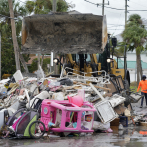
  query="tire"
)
[{"x": 34, "y": 127}]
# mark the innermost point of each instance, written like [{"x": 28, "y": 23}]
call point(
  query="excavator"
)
[
  {"x": 82, "y": 38},
  {"x": 95, "y": 62},
  {"x": 83, "y": 63}
]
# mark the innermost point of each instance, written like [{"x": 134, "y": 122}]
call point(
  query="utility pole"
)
[
  {"x": 103, "y": 7},
  {"x": 100, "y": 4},
  {"x": 125, "y": 62},
  {"x": 54, "y": 5},
  {"x": 125, "y": 52},
  {"x": 126, "y": 12},
  {"x": 0, "y": 57},
  {"x": 15, "y": 43},
  {"x": 54, "y": 55}
]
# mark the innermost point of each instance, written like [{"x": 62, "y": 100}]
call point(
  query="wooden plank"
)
[{"x": 96, "y": 86}]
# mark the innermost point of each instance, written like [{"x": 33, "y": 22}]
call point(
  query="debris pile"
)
[{"x": 54, "y": 107}]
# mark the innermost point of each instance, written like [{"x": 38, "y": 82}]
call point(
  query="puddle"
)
[{"x": 129, "y": 137}]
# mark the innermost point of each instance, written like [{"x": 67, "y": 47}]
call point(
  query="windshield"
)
[
  {"x": 88, "y": 58},
  {"x": 75, "y": 57}
]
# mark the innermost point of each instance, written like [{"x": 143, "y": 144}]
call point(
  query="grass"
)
[{"x": 133, "y": 86}]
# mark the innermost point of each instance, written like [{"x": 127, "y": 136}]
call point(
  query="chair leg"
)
[{"x": 133, "y": 121}]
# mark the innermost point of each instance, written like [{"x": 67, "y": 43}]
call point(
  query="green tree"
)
[
  {"x": 135, "y": 36},
  {"x": 45, "y": 6},
  {"x": 8, "y": 58},
  {"x": 34, "y": 65},
  {"x": 5, "y": 22}
]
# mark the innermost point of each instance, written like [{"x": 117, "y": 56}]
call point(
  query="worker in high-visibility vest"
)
[{"x": 143, "y": 85}]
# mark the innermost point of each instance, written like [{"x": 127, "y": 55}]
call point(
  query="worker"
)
[{"x": 143, "y": 85}]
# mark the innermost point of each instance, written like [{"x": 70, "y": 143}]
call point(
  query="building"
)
[{"x": 131, "y": 66}]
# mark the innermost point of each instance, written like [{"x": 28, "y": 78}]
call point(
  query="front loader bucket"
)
[{"x": 64, "y": 33}]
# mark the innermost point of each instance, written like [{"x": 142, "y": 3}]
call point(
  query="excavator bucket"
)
[{"x": 64, "y": 33}]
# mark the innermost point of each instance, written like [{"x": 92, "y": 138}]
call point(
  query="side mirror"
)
[{"x": 114, "y": 42}]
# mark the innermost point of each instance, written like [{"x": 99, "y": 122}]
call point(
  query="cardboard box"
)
[
  {"x": 115, "y": 122},
  {"x": 114, "y": 128}
]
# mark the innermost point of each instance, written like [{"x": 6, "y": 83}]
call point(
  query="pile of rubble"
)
[{"x": 49, "y": 106}]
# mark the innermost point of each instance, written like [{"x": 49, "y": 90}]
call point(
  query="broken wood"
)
[
  {"x": 96, "y": 91},
  {"x": 96, "y": 100},
  {"x": 72, "y": 87},
  {"x": 95, "y": 86}
]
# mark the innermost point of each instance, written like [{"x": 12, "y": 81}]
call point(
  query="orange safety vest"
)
[{"x": 143, "y": 85}]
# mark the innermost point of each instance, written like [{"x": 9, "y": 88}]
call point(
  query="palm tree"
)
[
  {"x": 45, "y": 6},
  {"x": 135, "y": 36}
]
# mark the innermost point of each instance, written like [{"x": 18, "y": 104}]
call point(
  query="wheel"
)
[{"x": 37, "y": 129}]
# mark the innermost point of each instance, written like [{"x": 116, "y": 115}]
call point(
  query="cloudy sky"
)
[{"x": 115, "y": 18}]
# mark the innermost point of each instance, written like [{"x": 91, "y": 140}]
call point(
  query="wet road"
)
[{"x": 129, "y": 137}]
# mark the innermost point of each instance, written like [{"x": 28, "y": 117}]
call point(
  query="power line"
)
[
  {"x": 115, "y": 24},
  {"x": 113, "y": 7},
  {"x": 8, "y": 17},
  {"x": 118, "y": 22},
  {"x": 110, "y": 11},
  {"x": 92, "y": 3},
  {"x": 137, "y": 10},
  {"x": 14, "y": 13},
  {"x": 9, "y": 13},
  {"x": 104, "y": 6},
  {"x": 124, "y": 9},
  {"x": 115, "y": 29}
]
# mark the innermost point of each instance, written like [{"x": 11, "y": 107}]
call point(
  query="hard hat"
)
[{"x": 144, "y": 76}]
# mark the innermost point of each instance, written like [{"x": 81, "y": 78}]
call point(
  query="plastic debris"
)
[{"x": 54, "y": 107}]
